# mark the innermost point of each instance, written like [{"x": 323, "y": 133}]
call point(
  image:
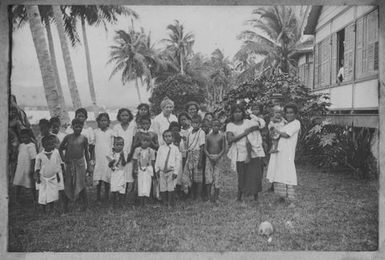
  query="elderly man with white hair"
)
[{"x": 162, "y": 121}]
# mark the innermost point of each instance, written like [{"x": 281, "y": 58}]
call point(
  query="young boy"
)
[
  {"x": 215, "y": 147},
  {"x": 167, "y": 167},
  {"x": 55, "y": 126},
  {"x": 276, "y": 123},
  {"x": 44, "y": 131},
  {"x": 206, "y": 127},
  {"x": 192, "y": 173},
  {"x": 76, "y": 155},
  {"x": 49, "y": 173}
]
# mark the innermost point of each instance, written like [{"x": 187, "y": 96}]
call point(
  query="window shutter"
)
[
  {"x": 335, "y": 66},
  {"x": 316, "y": 77},
  {"x": 348, "y": 55},
  {"x": 325, "y": 63},
  {"x": 311, "y": 70},
  {"x": 359, "y": 47},
  {"x": 372, "y": 41}
]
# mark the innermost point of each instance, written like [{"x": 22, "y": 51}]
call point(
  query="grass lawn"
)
[{"x": 333, "y": 211}]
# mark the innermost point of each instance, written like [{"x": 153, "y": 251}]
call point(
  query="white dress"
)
[
  {"x": 161, "y": 124},
  {"x": 49, "y": 186},
  {"x": 23, "y": 174},
  {"x": 145, "y": 170},
  {"x": 281, "y": 165},
  {"x": 118, "y": 176},
  {"x": 128, "y": 136},
  {"x": 103, "y": 145}
]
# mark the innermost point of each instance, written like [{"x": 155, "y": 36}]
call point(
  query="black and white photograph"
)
[{"x": 194, "y": 128}]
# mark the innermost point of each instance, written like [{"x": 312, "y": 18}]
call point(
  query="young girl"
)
[
  {"x": 143, "y": 111},
  {"x": 48, "y": 170},
  {"x": 75, "y": 156},
  {"x": 117, "y": 161},
  {"x": 144, "y": 165},
  {"x": 281, "y": 170},
  {"x": 25, "y": 164},
  {"x": 126, "y": 130},
  {"x": 104, "y": 138},
  {"x": 275, "y": 125}
]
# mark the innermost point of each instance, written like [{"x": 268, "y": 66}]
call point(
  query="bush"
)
[{"x": 180, "y": 89}]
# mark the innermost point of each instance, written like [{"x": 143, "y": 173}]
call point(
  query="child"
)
[
  {"x": 25, "y": 164},
  {"x": 55, "y": 126},
  {"x": 144, "y": 165},
  {"x": 186, "y": 128},
  {"x": 206, "y": 127},
  {"x": 48, "y": 171},
  {"x": 126, "y": 130},
  {"x": 208, "y": 116},
  {"x": 117, "y": 161},
  {"x": 192, "y": 172},
  {"x": 175, "y": 128},
  {"x": 276, "y": 123},
  {"x": 144, "y": 128},
  {"x": 44, "y": 131},
  {"x": 104, "y": 138},
  {"x": 215, "y": 147},
  {"x": 76, "y": 155},
  {"x": 167, "y": 167}
]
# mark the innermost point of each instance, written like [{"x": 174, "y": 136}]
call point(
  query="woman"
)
[
  {"x": 247, "y": 162},
  {"x": 143, "y": 111},
  {"x": 162, "y": 121},
  {"x": 20, "y": 112},
  {"x": 281, "y": 170}
]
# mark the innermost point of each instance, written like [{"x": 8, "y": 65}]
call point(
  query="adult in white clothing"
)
[{"x": 162, "y": 121}]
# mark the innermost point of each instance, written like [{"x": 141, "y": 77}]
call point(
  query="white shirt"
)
[
  {"x": 161, "y": 124},
  {"x": 173, "y": 160},
  {"x": 48, "y": 166}
]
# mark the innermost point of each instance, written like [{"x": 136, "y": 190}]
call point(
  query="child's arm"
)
[
  {"x": 86, "y": 154},
  {"x": 37, "y": 169},
  {"x": 135, "y": 168},
  {"x": 178, "y": 159},
  {"x": 201, "y": 153},
  {"x": 153, "y": 166},
  {"x": 157, "y": 166},
  {"x": 155, "y": 142},
  {"x": 123, "y": 159},
  {"x": 223, "y": 149}
]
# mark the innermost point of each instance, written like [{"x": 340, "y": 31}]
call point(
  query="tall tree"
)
[
  {"x": 95, "y": 15},
  {"x": 66, "y": 57},
  {"x": 277, "y": 35},
  {"x": 131, "y": 56},
  {"x": 44, "y": 60},
  {"x": 179, "y": 43}
]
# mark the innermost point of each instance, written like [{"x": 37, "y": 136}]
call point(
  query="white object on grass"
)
[{"x": 265, "y": 228}]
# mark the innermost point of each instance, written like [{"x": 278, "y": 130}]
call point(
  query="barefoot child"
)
[
  {"x": 49, "y": 173},
  {"x": 192, "y": 172},
  {"x": 117, "y": 161},
  {"x": 276, "y": 124},
  {"x": 75, "y": 157},
  {"x": 144, "y": 165},
  {"x": 25, "y": 164},
  {"x": 215, "y": 147},
  {"x": 167, "y": 167},
  {"x": 104, "y": 138}
]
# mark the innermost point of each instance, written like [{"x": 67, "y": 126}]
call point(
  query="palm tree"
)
[
  {"x": 179, "y": 43},
  {"x": 96, "y": 15},
  {"x": 66, "y": 57},
  {"x": 131, "y": 56},
  {"x": 44, "y": 60},
  {"x": 277, "y": 35}
]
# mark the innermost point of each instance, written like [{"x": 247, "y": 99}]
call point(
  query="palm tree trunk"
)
[
  {"x": 65, "y": 117},
  {"x": 181, "y": 63},
  {"x": 67, "y": 58},
  {"x": 44, "y": 60},
  {"x": 89, "y": 69},
  {"x": 137, "y": 90}
]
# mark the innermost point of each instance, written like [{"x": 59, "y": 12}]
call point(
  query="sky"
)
[{"x": 213, "y": 27}]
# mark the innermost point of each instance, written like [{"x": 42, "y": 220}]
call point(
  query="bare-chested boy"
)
[
  {"x": 214, "y": 149},
  {"x": 75, "y": 146}
]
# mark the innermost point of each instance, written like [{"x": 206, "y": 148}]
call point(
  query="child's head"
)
[
  {"x": 145, "y": 140},
  {"x": 209, "y": 116},
  {"x": 277, "y": 111},
  {"x": 216, "y": 125},
  {"x": 81, "y": 114},
  {"x": 103, "y": 121},
  {"x": 206, "y": 126},
  {"x": 174, "y": 126},
  {"x": 55, "y": 123},
  {"x": 77, "y": 125},
  {"x": 118, "y": 144},
  {"x": 145, "y": 123},
  {"x": 237, "y": 113},
  {"x": 49, "y": 142},
  {"x": 192, "y": 108},
  {"x": 176, "y": 138},
  {"x": 183, "y": 119},
  {"x": 44, "y": 127},
  {"x": 257, "y": 108},
  {"x": 143, "y": 111},
  {"x": 291, "y": 111},
  {"x": 196, "y": 122},
  {"x": 124, "y": 116},
  {"x": 25, "y": 135},
  {"x": 167, "y": 137}
]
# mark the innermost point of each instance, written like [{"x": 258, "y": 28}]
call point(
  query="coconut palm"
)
[
  {"x": 44, "y": 60},
  {"x": 277, "y": 34},
  {"x": 95, "y": 15},
  {"x": 179, "y": 43},
  {"x": 131, "y": 56}
]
